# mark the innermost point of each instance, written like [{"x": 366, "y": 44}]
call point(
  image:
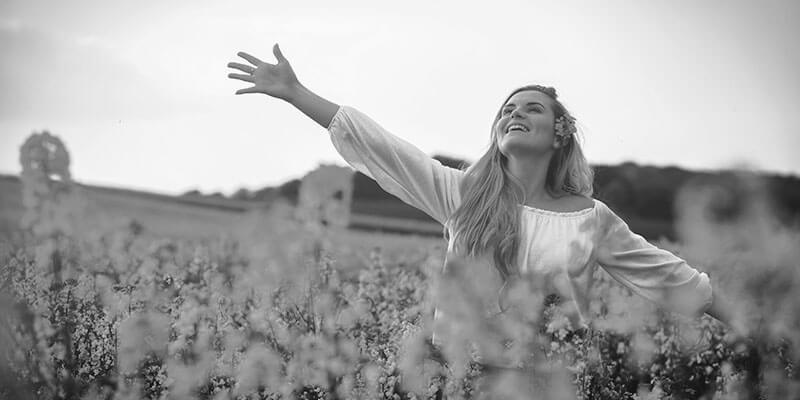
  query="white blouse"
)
[{"x": 560, "y": 251}]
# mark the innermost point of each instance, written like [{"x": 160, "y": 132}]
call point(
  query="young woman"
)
[{"x": 525, "y": 207}]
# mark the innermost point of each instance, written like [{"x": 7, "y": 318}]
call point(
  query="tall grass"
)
[{"x": 119, "y": 314}]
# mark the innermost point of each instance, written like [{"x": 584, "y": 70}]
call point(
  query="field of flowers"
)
[{"x": 123, "y": 314}]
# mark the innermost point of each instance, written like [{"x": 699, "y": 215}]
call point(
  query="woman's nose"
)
[{"x": 515, "y": 113}]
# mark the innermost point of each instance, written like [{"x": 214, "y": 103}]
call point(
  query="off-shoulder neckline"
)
[{"x": 576, "y": 213}]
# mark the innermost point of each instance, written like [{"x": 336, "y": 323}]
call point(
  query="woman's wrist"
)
[
  {"x": 317, "y": 108},
  {"x": 295, "y": 92}
]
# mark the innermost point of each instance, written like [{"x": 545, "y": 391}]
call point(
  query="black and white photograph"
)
[{"x": 417, "y": 200}]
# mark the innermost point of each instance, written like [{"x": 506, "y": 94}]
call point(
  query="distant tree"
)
[
  {"x": 267, "y": 194},
  {"x": 654, "y": 195},
  {"x": 784, "y": 192},
  {"x": 620, "y": 193},
  {"x": 616, "y": 185},
  {"x": 290, "y": 190},
  {"x": 365, "y": 187},
  {"x": 193, "y": 192},
  {"x": 242, "y": 194}
]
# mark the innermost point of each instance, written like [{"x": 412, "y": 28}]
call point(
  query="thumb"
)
[{"x": 278, "y": 55}]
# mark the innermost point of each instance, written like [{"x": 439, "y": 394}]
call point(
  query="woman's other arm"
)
[
  {"x": 662, "y": 277},
  {"x": 654, "y": 273},
  {"x": 725, "y": 311},
  {"x": 279, "y": 81}
]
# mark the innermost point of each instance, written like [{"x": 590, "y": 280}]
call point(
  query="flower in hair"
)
[{"x": 565, "y": 127}]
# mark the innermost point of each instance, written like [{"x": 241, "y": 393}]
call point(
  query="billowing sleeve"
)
[
  {"x": 654, "y": 273},
  {"x": 396, "y": 165}
]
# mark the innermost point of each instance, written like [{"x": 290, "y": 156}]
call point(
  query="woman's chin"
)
[{"x": 516, "y": 145}]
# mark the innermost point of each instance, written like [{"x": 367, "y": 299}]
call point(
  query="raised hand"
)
[{"x": 277, "y": 80}]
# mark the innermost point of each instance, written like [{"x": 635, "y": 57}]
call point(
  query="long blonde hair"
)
[{"x": 488, "y": 217}]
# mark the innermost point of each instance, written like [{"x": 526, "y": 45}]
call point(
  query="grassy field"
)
[
  {"x": 159, "y": 297},
  {"x": 261, "y": 225}
]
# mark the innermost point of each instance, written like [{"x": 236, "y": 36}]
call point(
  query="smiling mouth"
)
[{"x": 516, "y": 130}]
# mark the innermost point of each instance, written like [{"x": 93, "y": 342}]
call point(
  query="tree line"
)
[{"x": 644, "y": 195}]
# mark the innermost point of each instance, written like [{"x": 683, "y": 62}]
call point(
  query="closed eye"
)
[{"x": 508, "y": 110}]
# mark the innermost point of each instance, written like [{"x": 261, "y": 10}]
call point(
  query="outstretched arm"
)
[
  {"x": 655, "y": 274},
  {"x": 279, "y": 81},
  {"x": 395, "y": 164},
  {"x": 661, "y": 276}
]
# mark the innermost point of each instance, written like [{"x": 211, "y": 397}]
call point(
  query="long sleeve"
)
[
  {"x": 649, "y": 271},
  {"x": 396, "y": 165}
]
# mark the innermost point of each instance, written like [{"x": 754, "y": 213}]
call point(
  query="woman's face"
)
[{"x": 526, "y": 124}]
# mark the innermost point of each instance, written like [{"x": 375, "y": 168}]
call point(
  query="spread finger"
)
[
  {"x": 241, "y": 67},
  {"x": 243, "y": 77},
  {"x": 251, "y": 59}
]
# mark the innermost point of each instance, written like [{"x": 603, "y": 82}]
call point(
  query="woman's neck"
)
[{"x": 532, "y": 172}]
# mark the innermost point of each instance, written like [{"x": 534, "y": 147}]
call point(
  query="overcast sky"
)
[{"x": 139, "y": 92}]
